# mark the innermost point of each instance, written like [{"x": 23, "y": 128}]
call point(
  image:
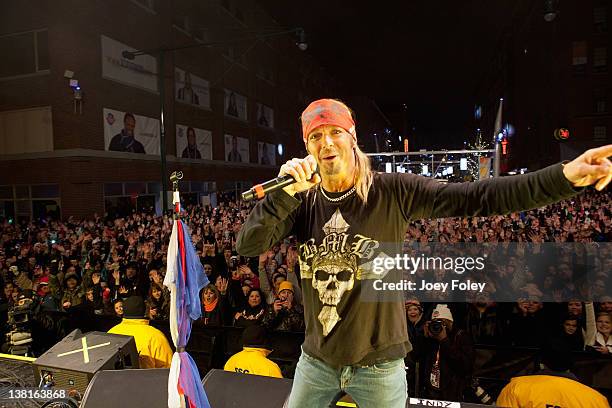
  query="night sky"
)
[{"x": 426, "y": 54}]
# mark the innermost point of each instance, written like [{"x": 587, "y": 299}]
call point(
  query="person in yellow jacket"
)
[
  {"x": 153, "y": 348},
  {"x": 554, "y": 386},
  {"x": 253, "y": 357}
]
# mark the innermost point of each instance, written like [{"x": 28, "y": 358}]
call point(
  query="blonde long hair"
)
[{"x": 363, "y": 174}]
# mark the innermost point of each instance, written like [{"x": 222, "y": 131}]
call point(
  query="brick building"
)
[
  {"x": 551, "y": 74},
  {"x": 241, "y": 90}
]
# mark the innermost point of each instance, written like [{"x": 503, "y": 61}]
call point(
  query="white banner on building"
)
[
  {"x": 266, "y": 153},
  {"x": 126, "y": 132},
  {"x": 193, "y": 143},
  {"x": 140, "y": 72},
  {"x": 236, "y": 149},
  {"x": 191, "y": 89},
  {"x": 235, "y": 105},
  {"x": 265, "y": 116}
]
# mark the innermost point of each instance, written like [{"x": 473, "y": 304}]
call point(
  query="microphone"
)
[{"x": 260, "y": 190}]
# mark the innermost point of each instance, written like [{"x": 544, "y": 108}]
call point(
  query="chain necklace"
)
[{"x": 338, "y": 199}]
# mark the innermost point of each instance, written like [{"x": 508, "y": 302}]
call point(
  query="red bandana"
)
[{"x": 326, "y": 112}]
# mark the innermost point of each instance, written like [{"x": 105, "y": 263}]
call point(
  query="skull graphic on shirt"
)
[{"x": 333, "y": 266}]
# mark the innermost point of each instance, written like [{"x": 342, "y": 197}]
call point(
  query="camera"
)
[{"x": 435, "y": 327}]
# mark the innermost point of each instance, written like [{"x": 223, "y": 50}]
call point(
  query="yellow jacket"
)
[
  {"x": 153, "y": 348},
  {"x": 253, "y": 360},
  {"x": 535, "y": 391}
]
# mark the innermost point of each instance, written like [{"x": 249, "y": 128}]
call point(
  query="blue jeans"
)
[{"x": 316, "y": 384}]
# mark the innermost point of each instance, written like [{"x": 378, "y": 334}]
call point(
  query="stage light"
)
[
  {"x": 550, "y": 12},
  {"x": 280, "y": 149},
  {"x": 301, "y": 43},
  {"x": 463, "y": 164},
  {"x": 425, "y": 169}
]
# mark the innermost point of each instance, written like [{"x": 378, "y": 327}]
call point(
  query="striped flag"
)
[{"x": 185, "y": 278}]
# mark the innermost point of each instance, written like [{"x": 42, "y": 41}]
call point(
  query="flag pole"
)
[{"x": 184, "y": 278}]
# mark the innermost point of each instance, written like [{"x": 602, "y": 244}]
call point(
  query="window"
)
[
  {"x": 579, "y": 57},
  {"x": 45, "y": 191},
  {"x": 153, "y": 187},
  {"x": 599, "y": 133},
  {"x": 196, "y": 186},
  {"x": 6, "y": 192},
  {"x": 26, "y": 130},
  {"x": 183, "y": 186},
  {"x": 600, "y": 63},
  {"x": 133, "y": 189},
  {"x": 113, "y": 189},
  {"x": 22, "y": 192},
  {"x": 600, "y": 105},
  {"x": 24, "y": 53},
  {"x": 600, "y": 19}
]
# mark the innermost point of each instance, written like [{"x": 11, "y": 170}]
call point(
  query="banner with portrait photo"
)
[
  {"x": 193, "y": 143},
  {"x": 265, "y": 116},
  {"x": 235, "y": 105},
  {"x": 266, "y": 153},
  {"x": 236, "y": 149},
  {"x": 127, "y": 132},
  {"x": 191, "y": 89},
  {"x": 140, "y": 72}
]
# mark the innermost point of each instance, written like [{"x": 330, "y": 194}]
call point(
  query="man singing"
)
[{"x": 348, "y": 217}]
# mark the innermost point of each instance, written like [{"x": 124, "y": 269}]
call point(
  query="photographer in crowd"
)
[
  {"x": 446, "y": 355},
  {"x": 284, "y": 313}
]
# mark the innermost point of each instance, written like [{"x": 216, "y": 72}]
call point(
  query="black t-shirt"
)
[{"x": 339, "y": 241}]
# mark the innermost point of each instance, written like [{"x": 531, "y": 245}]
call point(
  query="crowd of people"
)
[{"x": 94, "y": 264}]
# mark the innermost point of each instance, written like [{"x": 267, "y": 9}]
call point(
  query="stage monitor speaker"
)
[
  {"x": 149, "y": 389},
  {"x": 144, "y": 388},
  {"x": 234, "y": 390},
  {"x": 72, "y": 362}
]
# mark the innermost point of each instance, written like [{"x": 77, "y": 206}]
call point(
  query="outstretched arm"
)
[{"x": 425, "y": 198}]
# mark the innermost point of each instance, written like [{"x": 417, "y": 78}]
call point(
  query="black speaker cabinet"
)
[
  {"x": 234, "y": 390},
  {"x": 149, "y": 389},
  {"x": 145, "y": 388},
  {"x": 72, "y": 362}
]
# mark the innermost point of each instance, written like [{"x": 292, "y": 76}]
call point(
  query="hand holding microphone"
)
[
  {"x": 294, "y": 176},
  {"x": 303, "y": 171}
]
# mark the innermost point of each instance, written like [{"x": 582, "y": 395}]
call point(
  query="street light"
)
[{"x": 130, "y": 55}]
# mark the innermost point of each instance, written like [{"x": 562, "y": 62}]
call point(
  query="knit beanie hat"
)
[
  {"x": 255, "y": 336},
  {"x": 134, "y": 307},
  {"x": 442, "y": 312}
]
